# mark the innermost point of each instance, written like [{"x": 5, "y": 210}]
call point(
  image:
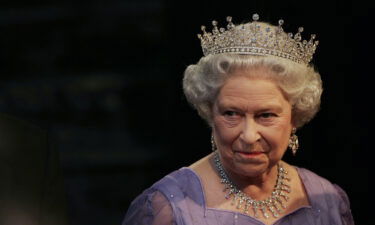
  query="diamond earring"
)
[
  {"x": 213, "y": 144},
  {"x": 293, "y": 142}
]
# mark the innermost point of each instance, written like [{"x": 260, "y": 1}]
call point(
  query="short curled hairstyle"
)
[{"x": 300, "y": 84}]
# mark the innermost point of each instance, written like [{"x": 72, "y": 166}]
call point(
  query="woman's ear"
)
[{"x": 293, "y": 118}]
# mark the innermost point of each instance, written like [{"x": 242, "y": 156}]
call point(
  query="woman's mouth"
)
[{"x": 249, "y": 154}]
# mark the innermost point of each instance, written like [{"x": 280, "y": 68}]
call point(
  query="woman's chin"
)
[
  {"x": 251, "y": 169},
  {"x": 250, "y": 165}
]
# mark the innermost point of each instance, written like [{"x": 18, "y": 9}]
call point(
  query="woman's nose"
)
[{"x": 250, "y": 133}]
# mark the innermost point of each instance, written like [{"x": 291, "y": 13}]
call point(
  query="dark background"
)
[{"x": 104, "y": 77}]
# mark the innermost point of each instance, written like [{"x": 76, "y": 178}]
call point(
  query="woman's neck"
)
[{"x": 257, "y": 187}]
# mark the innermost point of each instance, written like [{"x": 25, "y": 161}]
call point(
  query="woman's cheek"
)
[{"x": 226, "y": 134}]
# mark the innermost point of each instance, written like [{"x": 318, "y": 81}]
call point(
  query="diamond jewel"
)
[{"x": 255, "y": 17}]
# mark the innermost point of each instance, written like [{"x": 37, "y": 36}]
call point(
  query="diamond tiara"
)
[{"x": 257, "y": 38}]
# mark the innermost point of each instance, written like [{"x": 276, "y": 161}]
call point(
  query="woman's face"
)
[{"x": 252, "y": 124}]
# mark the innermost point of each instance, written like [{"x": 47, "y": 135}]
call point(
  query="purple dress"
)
[{"x": 178, "y": 199}]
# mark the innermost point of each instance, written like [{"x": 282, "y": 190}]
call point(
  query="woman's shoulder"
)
[
  {"x": 156, "y": 204},
  {"x": 311, "y": 179},
  {"x": 175, "y": 186},
  {"x": 308, "y": 175},
  {"x": 181, "y": 180},
  {"x": 324, "y": 194}
]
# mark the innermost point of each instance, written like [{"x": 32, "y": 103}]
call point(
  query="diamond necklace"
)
[{"x": 271, "y": 204}]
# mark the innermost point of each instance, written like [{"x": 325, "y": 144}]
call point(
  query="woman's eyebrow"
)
[{"x": 274, "y": 108}]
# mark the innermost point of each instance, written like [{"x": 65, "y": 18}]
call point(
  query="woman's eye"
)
[
  {"x": 267, "y": 115},
  {"x": 230, "y": 113}
]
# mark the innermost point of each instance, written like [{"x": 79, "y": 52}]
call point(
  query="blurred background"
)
[{"x": 104, "y": 78}]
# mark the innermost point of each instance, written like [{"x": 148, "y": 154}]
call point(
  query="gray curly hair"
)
[{"x": 301, "y": 84}]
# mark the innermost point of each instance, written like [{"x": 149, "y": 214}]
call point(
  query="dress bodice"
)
[{"x": 179, "y": 199}]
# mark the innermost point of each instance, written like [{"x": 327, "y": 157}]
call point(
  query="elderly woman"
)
[{"x": 255, "y": 88}]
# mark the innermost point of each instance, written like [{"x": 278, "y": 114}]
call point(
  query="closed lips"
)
[{"x": 254, "y": 152}]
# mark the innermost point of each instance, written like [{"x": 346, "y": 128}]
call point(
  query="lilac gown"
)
[{"x": 178, "y": 199}]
